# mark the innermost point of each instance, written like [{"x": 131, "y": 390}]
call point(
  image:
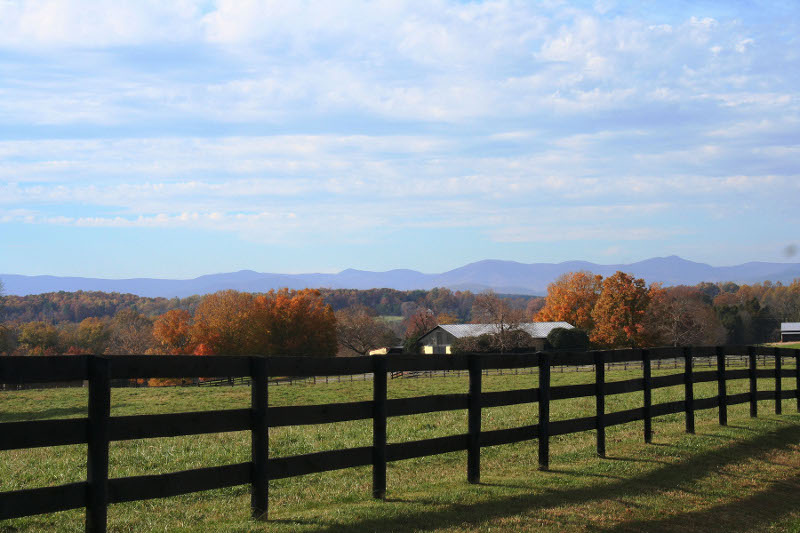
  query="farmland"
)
[{"x": 741, "y": 477}]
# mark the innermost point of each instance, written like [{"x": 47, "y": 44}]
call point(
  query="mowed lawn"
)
[{"x": 744, "y": 477}]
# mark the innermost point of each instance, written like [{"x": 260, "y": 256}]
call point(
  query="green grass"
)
[
  {"x": 792, "y": 345},
  {"x": 744, "y": 477}
]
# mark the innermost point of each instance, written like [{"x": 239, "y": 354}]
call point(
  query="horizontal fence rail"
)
[{"x": 99, "y": 428}]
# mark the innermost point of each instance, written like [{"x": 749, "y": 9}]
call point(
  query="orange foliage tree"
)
[
  {"x": 446, "y": 318},
  {"x": 173, "y": 331},
  {"x": 571, "y": 298},
  {"x": 280, "y": 322},
  {"x": 620, "y": 312},
  {"x": 294, "y": 323},
  {"x": 225, "y": 324}
]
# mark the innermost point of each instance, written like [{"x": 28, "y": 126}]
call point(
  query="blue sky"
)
[{"x": 174, "y": 139}]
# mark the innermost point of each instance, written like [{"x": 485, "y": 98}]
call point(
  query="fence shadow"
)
[
  {"x": 45, "y": 414},
  {"x": 761, "y": 508}
]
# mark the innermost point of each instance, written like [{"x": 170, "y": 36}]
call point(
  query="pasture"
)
[{"x": 743, "y": 477}]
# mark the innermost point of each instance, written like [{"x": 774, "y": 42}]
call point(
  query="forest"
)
[{"x": 616, "y": 311}]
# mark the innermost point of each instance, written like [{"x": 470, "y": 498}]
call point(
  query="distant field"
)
[
  {"x": 795, "y": 345},
  {"x": 391, "y": 318},
  {"x": 744, "y": 477}
]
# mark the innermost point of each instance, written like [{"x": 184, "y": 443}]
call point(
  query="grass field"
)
[
  {"x": 744, "y": 477},
  {"x": 793, "y": 345}
]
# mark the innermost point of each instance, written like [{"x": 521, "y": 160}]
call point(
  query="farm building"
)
[
  {"x": 439, "y": 339},
  {"x": 790, "y": 331}
]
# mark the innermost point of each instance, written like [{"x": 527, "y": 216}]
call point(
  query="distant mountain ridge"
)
[{"x": 509, "y": 277}]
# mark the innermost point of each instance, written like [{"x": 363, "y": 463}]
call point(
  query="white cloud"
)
[
  {"x": 556, "y": 233},
  {"x": 232, "y": 115},
  {"x": 93, "y": 23},
  {"x": 742, "y": 45}
]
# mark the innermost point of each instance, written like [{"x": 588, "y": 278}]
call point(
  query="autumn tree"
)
[
  {"x": 681, "y": 316},
  {"x": 489, "y": 308},
  {"x": 280, "y": 322},
  {"x": 92, "y": 335},
  {"x": 172, "y": 330},
  {"x": 784, "y": 301},
  {"x": 293, "y": 322},
  {"x": 38, "y": 338},
  {"x": 359, "y": 331},
  {"x": 225, "y": 324},
  {"x": 8, "y": 339},
  {"x": 572, "y": 298},
  {"x": 417, "y": 325},
  {"x": 620, "y": 312},
  {"x": 420, "y": 323},
  {"x": 446, "y": 318},
  {"x": 535, "y": 305},
  {"x": 131, "y": 333}
]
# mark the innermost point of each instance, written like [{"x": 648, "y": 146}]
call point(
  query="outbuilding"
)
[
  {"x": 440, "y": 339},
  {"x": 790, "y": 332}
]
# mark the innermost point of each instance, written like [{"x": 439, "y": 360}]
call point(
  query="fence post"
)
[
  {"x": 688, "y": 389},
  {"x": 778, "y": 381},
  {"x": 259, "y": 437},
  {"x": 544, "y": 411},
  {"x": 648, "y": 396},
  {"x": 474, "y": 420},
  {"x": 722, "y": 387},
  {"x": 753, "y": 365},
  {"x": 600, "y": 401},
  {"x": 379, "y": 392},
  {"x": 97, "y": 440},
  {"x": 797, "y": 377}
]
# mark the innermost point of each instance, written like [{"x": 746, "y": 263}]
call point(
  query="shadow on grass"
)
[
  {"x": 749, "y": 512},
  {"x": 56, "y": 412}
]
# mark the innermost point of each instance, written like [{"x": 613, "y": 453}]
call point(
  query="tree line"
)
[
  {"x": 58, "y": 307},
  {"x": 621, "y": 310},
  {"x": 617, "y": 311}
]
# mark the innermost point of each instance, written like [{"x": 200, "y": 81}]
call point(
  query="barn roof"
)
[
  {"x": 538, "y": 330},
  {"x": 790, "y": 326}
]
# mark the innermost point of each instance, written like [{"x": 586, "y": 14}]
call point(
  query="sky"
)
[{"x": 180, "y": 138}]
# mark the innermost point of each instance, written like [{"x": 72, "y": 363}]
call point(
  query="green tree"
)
[{"x": 568, "y": 340}]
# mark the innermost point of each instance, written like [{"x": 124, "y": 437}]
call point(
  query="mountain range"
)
[{"x": 507, "y": 277}]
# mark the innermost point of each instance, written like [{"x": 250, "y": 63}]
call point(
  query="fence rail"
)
[{"x": 99, "y": 428}]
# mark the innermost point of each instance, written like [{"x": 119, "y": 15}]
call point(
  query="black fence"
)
[{"x": 99, "y": 428}]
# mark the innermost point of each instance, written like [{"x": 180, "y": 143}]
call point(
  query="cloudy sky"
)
[{"x": 178, "y": 138}]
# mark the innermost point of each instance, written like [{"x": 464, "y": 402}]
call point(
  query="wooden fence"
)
[{"x": 99, "y": 428}]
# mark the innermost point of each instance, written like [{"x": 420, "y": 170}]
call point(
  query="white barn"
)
[
  {"x": 440, "y": 339},
  {"x": 790, "y": 331}
]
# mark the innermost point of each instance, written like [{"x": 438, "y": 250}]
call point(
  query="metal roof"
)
[
  {"x": 790, "y": 326},
  {"x": 537, "y": 330}
]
